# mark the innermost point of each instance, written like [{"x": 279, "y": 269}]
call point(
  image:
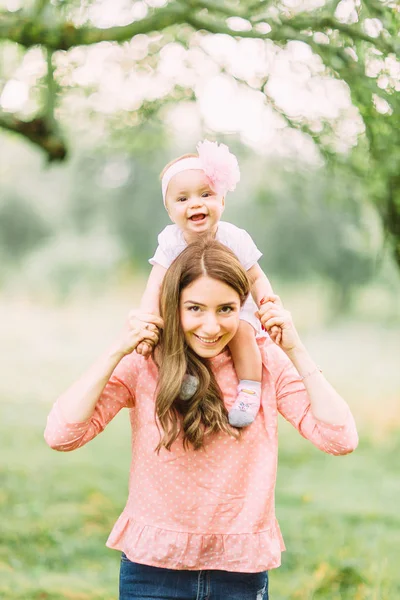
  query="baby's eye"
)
[
  {"x": 206, "y": 194},
  {"x": 182, "y": 199}
]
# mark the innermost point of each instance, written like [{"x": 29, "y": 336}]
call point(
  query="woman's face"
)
[{"x": 209, "y": 312}]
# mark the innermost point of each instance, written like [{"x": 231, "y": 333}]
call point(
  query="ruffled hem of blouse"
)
[{"x": 241, "y": 552}]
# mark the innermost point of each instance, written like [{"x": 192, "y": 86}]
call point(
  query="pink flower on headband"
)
[{"x": 220, "y": 166}]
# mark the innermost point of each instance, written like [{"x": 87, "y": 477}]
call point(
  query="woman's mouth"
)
[{"x": 208, "y": 341}]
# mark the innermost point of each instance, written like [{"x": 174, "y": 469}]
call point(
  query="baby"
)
[{"x": 194, "y": 187}]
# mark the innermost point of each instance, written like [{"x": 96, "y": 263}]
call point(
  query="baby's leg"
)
[{"x": 248, "y": 365}]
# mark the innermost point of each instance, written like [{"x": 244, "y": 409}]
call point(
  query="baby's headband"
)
[
  {"x": 182, "y": 165},
  {"x": 220, "y": 166}
]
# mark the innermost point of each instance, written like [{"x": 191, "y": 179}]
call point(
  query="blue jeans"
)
[{"x": 142, "y": 582}]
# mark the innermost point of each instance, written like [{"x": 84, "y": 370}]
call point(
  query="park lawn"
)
[{"x": 339, "y": 515}]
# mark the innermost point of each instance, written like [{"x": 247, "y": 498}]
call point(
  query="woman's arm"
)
[
  {"x": 293, "y": 403},
  {"x": 326, "y": 404},
  {"x": 78, "y": 402}
]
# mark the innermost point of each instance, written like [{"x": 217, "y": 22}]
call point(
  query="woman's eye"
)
[
  {"x": 194, "y": 308},
  {"x": 226, "y": 310}
]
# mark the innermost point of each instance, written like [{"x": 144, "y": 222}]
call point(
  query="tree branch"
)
[
  {"x": 28, "y": 32},
  {"x": 291, "y": 29},
  {"x": 217, "y": 7},
  {"x": 39, "y": 133},
  {"x": 39, "y": 6},
  {"x": 281, "y": 34},
  {"x": 51, "y": 90},
  {"x": 202, "y": 15},
  {"x": 256, "y": 7},
  {"x": 351, "y": 31}
]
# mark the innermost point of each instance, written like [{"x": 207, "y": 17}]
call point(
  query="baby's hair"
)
[{"x": 175, "y": 161}]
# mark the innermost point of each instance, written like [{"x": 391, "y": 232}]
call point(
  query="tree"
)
[{"x": 361, "y": 48}]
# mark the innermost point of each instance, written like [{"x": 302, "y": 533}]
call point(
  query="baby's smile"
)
[{"x": 198, "y": 217}]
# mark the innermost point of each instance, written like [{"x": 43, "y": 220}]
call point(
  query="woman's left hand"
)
[{"x": 271, "y": 314}]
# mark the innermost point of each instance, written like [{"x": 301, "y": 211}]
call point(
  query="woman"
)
[{"x": 200, "y": 522}]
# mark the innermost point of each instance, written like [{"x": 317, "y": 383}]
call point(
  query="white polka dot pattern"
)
[{"x": 212, "y": 508}]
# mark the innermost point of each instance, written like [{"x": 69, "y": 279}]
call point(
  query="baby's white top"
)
[{"x": 171, "y": 243}]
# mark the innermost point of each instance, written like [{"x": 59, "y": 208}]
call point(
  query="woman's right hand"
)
[{"x": 140, "y": 327}]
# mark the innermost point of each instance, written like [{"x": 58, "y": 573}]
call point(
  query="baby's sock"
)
[
  {"x": 189, "y": 387},
  {"x": 247, "y": 403}
]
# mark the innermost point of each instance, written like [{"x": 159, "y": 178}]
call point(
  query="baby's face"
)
[{"x": 192, "y": 204}]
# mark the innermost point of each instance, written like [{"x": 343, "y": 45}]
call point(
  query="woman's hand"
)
[
  {"x": 141, "y": 328},
  {"x": 278, "y": 323}
]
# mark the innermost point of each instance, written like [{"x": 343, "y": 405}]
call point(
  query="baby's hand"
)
[
  {"x": 276, "y": 332},
  {"x": 145, "y": 349}
]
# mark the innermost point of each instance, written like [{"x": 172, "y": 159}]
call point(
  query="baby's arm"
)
[
  {"x": 260, "y": 289},
  {"x": 150, "y": 302},
  {"x": 260, "y": 285}
]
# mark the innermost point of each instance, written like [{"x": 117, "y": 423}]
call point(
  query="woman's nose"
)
[{"x": 210, "y": 325}]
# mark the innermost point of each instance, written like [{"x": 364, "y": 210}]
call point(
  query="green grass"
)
[
  {"x": 57, "y": 510},
  {"x": 339, "y": 515}
]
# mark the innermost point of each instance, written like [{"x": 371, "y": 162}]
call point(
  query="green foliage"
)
[
  {"x": 360, "y": 48},
  {"x": 22, "y": 229},
  {"x": 104, "y": 211},
  {"x": 313, "y": 225}
]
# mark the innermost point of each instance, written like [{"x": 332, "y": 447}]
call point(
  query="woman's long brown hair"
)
[{"x": 204, "y": 413}]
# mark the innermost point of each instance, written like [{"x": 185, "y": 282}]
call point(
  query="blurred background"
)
[{"x": 95, "y": 98}]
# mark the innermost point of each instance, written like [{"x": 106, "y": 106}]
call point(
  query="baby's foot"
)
[
  {"x": 247, "y": 404},
  {"x": 189, "y": 387}
]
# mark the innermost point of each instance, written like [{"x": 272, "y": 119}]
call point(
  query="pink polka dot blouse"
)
[{"x": 212, "y": 508}]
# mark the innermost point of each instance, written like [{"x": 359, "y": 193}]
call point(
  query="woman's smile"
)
[
  {"x": 208, "y": 341},
  {"x": 209, "y": 312}
]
